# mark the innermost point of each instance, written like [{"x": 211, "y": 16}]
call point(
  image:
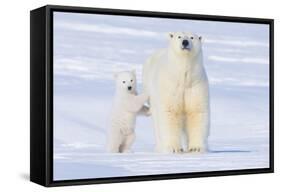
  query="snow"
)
[{"x": 89, "y": 49}]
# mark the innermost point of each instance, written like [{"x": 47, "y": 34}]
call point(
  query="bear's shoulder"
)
[
  {"x": 157, "y": 56},
  {"x": 160, "y": 53}
]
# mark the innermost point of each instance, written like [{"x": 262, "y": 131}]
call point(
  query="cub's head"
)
[
  {"x": 185, "y": 43},
  {"x": 126, "y": 81}
]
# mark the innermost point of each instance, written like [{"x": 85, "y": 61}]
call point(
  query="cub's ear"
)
[
  {"x": 200, "y": 38},
  {"x": 171, "y": 35}
]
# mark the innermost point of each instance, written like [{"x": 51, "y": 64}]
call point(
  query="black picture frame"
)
[{"x": 41, "y": 94}]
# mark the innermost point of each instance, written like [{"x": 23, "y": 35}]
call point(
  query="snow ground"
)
[
  {"x": 238, "y": 139},
  {"x": 88, "y": 49}
]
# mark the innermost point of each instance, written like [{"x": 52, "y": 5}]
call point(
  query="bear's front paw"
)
[
  {"x": 173, "y": 149},
  {"x": 196, "y": 149}
]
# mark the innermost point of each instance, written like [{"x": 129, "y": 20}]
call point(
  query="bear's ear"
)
[{"x": 170, "y": 35}]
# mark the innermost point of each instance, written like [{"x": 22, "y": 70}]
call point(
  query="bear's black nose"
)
[
  {"x": 129, "y": 88},
  {"x": 185, "y": 43}
]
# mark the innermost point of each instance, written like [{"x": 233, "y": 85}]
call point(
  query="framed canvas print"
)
[{"x": 123, "y": 95}]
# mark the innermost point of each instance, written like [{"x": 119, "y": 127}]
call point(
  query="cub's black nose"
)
[
  {"x": 185, "y": 43},
  {"x": 129, "y": 88}
]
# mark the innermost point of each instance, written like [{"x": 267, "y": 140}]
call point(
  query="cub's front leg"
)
[
  {"x": 145, "y": 110},
  {"x": 138, "y": 102}
]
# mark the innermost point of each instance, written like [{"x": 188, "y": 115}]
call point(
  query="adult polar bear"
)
[{"x": 177, "y": 84}]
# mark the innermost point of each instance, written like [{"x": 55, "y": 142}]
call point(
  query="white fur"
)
[
  {"x": 126, "y": 105},
  {"x": 177, "y": 85}
]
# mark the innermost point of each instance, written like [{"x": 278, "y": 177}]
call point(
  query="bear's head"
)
[
  {"x": 185, "y": 43},
  {"x": 126, "y": 81}
]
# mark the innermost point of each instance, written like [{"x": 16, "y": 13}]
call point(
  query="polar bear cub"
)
[{"x": 126, "y": 106}]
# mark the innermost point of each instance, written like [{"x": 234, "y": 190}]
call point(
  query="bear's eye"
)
[
  {"x": 179, "y": 37},
  {"x": 131, "y": 80},
  {"x": 124, "y": 81},
  {"x": 191, "y": 37}
]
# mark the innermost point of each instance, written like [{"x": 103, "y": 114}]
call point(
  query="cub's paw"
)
[
  {"x": 128, "y": 151},
  {"x": 147, "y": 111}
]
